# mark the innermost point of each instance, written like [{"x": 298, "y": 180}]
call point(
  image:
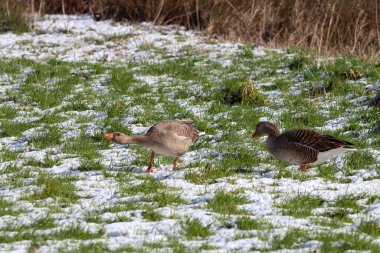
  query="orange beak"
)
[
  {"x": 255, "y": 134},
  {"x": 108, "y": 136}
]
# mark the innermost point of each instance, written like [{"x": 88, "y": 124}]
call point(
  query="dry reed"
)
[{"x": 335, "y": 26}]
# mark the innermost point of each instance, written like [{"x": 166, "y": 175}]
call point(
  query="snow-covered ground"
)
[
  {"x": 76, "y": 38},
  {"x": 80, "y": 39}
]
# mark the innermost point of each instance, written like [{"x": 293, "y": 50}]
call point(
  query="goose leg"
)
[
  {"x": 150, "y": 168},
  {"x": 303, "y": 167},
  {"x": 175, "y": 162}
]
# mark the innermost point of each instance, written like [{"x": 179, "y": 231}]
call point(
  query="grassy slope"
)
[{"x": 299, "y": 92}]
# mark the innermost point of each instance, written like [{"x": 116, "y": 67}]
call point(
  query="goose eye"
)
[{"x": 117, "y": 134}]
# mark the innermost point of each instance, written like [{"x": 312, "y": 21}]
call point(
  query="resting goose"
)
[
  {"x": 170, "y": 138},
  {"x": 300, "y": 147}
]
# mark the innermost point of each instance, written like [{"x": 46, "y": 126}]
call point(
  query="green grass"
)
[
  {"x": 300, "y": 205},
  {"x": 7, "y": 112},
  {"x": 331, "y": 242},
  {"x": 88, "y": 248},
  {"x": 146, "y": 46},
  {"x": 327, "y": 172},
  {"x": 300, "y": 62},
  {"x": 5, "y": 207},
  {"x": 122, "y": 206},
  {"x": 207, "y": 246},
  {"x": 76, "y": 106},
  {"x": 121, "y": 79},
  {"x": 50, "y": 137},
  {"x": 349, "y": 201},
  {"x": 83, "y": 145},
  {"x": 56, "y": 187},
  {"x": 227, "y": 203},
  {"x": 46, "y": 163},
  {"x": 153, "y": 245},
  {"x": 37, "y": 87},
  {"x": 340, "y": 242},
  {"x": 147, "y": 186},
  {"x": 50, "y": 119},
  {"x": 88, "y": 165},
  {"x": 290, "y": 240},
  {"x": 11, "y": 128},
  {"x": 71, "y": 232},
  {"x": 335, "y": 76},
  {"x": 231, "y": 99},
  {"x": 373, "y": 199},
  {"x": 247, "y": 223},
  {"x": 44, "y": 223},
  {"x": 7, "y": 155},
  {"x": 165, "y": 198},
  {"x": 131, "y": 249},
  {"x": 359, "y": 160},
  {"x": 11, "y": 168},
  {"x": 117, "y": 37},
  {"x": 193, "y": 228},
  {"x": 76, "y": 232},
  {"x": 297, "y": 175},
  {"x": 182, "y": 68},
  {"x": 151, "y": 214},
  {"x": 17, "y": 177},
  {"x": 338, "y": 214},
  {"x": 242, "y": 91},
  {"x": 370, "y": 227},
  {"x": 153, "y": 190},
  {"x": 327, "y": 222},
  {"x": 238, "y": 158},
  {"x": 177, "y": 246},
  {"x": 208, "y": 175},
  {"x": 300, "y": 113}
]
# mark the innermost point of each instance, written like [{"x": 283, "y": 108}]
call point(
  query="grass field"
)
[{"x": 65, "y": 188}]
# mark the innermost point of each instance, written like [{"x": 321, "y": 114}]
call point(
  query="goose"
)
[
  {"x": 169, "y": 137},
  {"x": 300, "y": 147}
]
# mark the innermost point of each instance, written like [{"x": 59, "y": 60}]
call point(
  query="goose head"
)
[
  {"x": 117, "y": 137},
  {"x": 265, "y": 128}
]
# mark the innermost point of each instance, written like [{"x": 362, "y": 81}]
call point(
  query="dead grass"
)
[
  {"x": 12, "y": 16},
  {"x": 348, "y": 27}
]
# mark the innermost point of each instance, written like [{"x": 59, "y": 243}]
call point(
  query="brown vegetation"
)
[
  {"x": 336, "y": 26},
  {"x": 11, "y": 16}
]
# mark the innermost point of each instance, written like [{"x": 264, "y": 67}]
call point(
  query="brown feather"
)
[
  {"x": 169, "y": 137},
  {"x": 315, "y": 140},
  {"x": 299, "y": 146},
  {"x": 184, "y": 128}
]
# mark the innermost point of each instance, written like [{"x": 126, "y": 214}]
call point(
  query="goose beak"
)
[
  {"x": 108, "y": 136},
  {"x": 255, "y": 134}
]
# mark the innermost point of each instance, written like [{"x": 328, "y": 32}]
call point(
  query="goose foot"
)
[
  {"x": 149, "y": 169},
  {"x": 175, "y": 163},
  {"x": 303, "y": 167}
]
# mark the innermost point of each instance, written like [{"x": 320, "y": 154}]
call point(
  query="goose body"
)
[
  {"x": 170, "y": 138},
  {"x": 301, "y": 147}
]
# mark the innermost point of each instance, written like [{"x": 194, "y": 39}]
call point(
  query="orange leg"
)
[
  {"x": 303, "y": 167},
  {"x": 175, "y": 163},
  {"x": 150, "y": 168}
]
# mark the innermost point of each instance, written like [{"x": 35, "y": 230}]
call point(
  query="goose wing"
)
[
  {"x": 295, "y": 153},
  {"x": 183, "y": 128},
  {"x": 315, "y": 140}
]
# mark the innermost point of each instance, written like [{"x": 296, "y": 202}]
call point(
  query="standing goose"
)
[
  {"x": 170, "y": 138},
  {"x": 300, "y": 147}
]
